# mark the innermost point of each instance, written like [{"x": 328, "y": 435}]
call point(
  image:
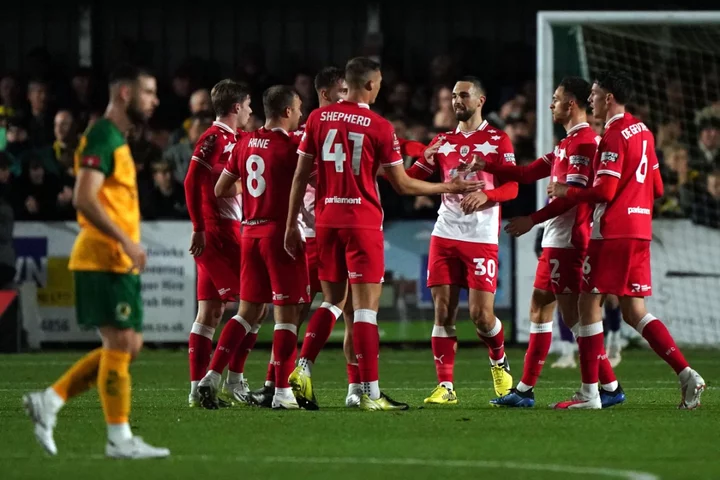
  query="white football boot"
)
[
  {"x": 134, "y": 448},
  {"x": 44, "y": 417},
  {"x": 353, "y": 396},
  {"x": 692, "y": 386}
]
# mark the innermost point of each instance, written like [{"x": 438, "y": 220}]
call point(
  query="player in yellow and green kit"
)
[{"x": 106, "y": 260}]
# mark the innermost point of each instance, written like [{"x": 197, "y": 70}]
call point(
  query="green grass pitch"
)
[{"x": 646, "y": 438}]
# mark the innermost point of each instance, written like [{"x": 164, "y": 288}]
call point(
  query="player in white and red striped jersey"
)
[
  {"x": 350, "y": 143},
  {"x": 464, "y": 242},
  {"x": 565, "y": 239},
  {"x": 264, "y": 162},
  {"x": 627, "y": 182},
  {"x": 215, "y": 241}
]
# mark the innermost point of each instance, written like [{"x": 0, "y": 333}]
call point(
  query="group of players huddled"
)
[{"x": 289, "y": 211}]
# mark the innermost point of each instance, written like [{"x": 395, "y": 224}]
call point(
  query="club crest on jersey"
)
[
  {"x": 207, "y": 147},
  {"x": 464, "y": 150},
  {"x": 606, "y": 157}
]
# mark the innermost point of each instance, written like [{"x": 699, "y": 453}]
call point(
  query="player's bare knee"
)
[
  {"x": 541, "y": 303},
  {"x": 633, "y": 310},
  {"x": 482, "y": 316},
  {"x": 251, "y": 312},
  {"x": 122, "y": 340},
  {"x": 210, "y": 313}
]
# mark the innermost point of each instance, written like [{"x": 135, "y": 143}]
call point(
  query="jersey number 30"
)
[{"x": 334, "y": 152}]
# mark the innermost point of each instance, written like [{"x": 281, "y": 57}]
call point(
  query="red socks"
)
[
  {"x": 318, "y": 331},
  {"x": 199, "y": 350},
  {"x": 444, "y": 347},
  {"x": 537, "y": 352},
  {"x": 366, "y": 342},
  {"x": 660, "y": 340},
  {"x": 284, "y": 352},
  {"x": 495, "y": 341},
  {"x": 239, "y": 356},
  {"x": 231, "y": 337}
]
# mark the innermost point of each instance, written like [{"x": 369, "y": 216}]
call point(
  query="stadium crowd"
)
[{"x": 42, "y": 115}]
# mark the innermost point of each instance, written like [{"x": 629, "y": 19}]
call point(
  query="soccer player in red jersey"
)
[
  {"x": 215, "y": 241},
  {"x": 565, "y": 239},
  {"x": 265, "y": 162},
  {"x": 464, "y": 241},
  {"x": 627, "y": 181},
  {"x": 350, "y": 143}
]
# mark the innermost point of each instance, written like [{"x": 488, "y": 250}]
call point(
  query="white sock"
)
[
  {"x": 448, "y": 385},
  {"x": 354, "y": 388},
  {"x": 119, "y": 432},
  {"x": 685, "y": 374},
  {"x": 269, "y": 384},
  {"x": 589, "y": 390},
  {"x": 214, "y": 377},
  {"x": 372, "y": 389},
  {"x": 284, "y": 393},
  {"x": 53, "y": 400},
  {"x": 306, "y": 366},
  {"x": 524, "y": 387},
  {"x": 610, "y": 387},
  {"x": 495, "y": 363},
  {"x": 193, "y": 387},
  {"x": 233, "y": 377}
]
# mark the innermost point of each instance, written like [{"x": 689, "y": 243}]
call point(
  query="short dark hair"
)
[
  {"x": 127, "y": 73},
  {"x": 358, "y": 70},
  {"x": 617, "y": 82},
  {"x": 276, "y": 99},
  {"x": 327, "y": 77},
  {"x": 227, "y": 93},
  {"x": 578, "y": 88},
  {"x": 475, "y": 82}
]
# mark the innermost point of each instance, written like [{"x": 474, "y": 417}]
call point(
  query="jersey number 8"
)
[{"x": 255, "y": 166}]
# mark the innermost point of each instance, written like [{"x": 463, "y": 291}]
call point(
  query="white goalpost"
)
[{"x": 674, "y": 60}]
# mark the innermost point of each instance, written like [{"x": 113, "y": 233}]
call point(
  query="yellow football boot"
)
[
  {"x": 502, "y": 380},
  {"x": 383, "y": 403},
  {"x": 302, "y": 388},
  {"x": 442, "y": 396}
]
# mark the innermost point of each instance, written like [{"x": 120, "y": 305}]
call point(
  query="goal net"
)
[{"x": 674, "y": 59}]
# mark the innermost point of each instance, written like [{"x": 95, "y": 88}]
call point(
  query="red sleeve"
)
[
  {"x": 422, "y": 168},
  {"x": 411, "y": 148},
  {"x": 611, "y": 155},
  {"x": 602, "y": 191},
  {"x": 508, "y": 188},
  {"x": 553, "y": 209},
  {"x": 579, "y": 158},
  {"x": 538, "y": 169},
  {"x": 307, "y": 146},
  {"x": 658, "y": 187},
  {"x": 233, "y": 166},
  {"x": 197, "y": 176},
  {"x": 388, "y": 146}
]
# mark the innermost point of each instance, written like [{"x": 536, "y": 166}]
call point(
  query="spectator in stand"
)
[
  {"x": 179, "y": 155},
  {"x": 679, "y": 182},
  {"x": 36, "y": 193},
  {"x": 8, "y": 96},
  {"x": 18, "y": 142},
  {"x": 444, "y": 117},
  {"x": 40, "y": 127},
  {"x": 199, "y": 102},
  {"x": 705, "y": 156},
  {"x": 706, "y": 207},
  {"x": 668, "y": 133},
  {"x": 166, "y": 199}
]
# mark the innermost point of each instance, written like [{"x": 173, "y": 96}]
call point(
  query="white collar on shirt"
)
[
  {"x": 481, "y": 127},
  {"x": 613, "y": 118},
  {"x": 578, "y": 127},
  {"x": 220, "y": 124},
  {"x": 361, "y": 105}
]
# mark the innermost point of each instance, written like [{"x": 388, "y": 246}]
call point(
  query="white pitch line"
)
[{"x": 399, "y": 462}]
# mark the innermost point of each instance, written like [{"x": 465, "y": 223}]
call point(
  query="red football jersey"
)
[
  {"x": 570, "y": 162},
  {"x": 351, "y": 142},
  {"x": 265, "y": 161},
  {"x": 626, "y": 151},
  {"x": 458, "y": 148},
  {"x": 212, "y": 151}
]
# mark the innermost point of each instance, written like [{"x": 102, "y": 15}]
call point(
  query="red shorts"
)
[
  {"x": 559, "y": 270},
  {"x": 271, "y": 274},
  {"x": 465, "y": 264},
  {"x": 619, "y": 267},
  {"x": 218, "y": 267},
  {"x": 353, "y": 254},
  {"x": 312, "y": 261}
]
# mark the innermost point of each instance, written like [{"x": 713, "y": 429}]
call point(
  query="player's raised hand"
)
[
  {"x": 557, "y": 189},
  {"x": 432, "y": 149},
  {"x": 197, "y": 243},
  {"x": 475, "y": 202},
  {"x": 293, "y": 241},
  {"x": 137, "y": 254},
  {"x": 519, "y": 226}
]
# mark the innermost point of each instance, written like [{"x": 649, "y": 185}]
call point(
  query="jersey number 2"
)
[{"x": 333, "y": 152}]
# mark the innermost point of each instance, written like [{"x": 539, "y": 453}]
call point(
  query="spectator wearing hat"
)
[{"x": 705, "y": 156}]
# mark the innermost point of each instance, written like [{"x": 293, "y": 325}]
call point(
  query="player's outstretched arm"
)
[
  {"x": 85, "y": 199},
  {"x": 537, "y": 170},
  {"x": 405, "y": 185},
  {"x": 603, "y": 191},
  {"x": 303, "y": 171}
]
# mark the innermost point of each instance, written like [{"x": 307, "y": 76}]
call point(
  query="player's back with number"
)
[
  {"x": 265, "y": 161},
  {"x": 626, "y": 151},
  {"x": 351, "y": 142}
]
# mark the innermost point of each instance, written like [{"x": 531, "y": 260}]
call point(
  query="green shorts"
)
[{"x": 106, "y": 299}]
